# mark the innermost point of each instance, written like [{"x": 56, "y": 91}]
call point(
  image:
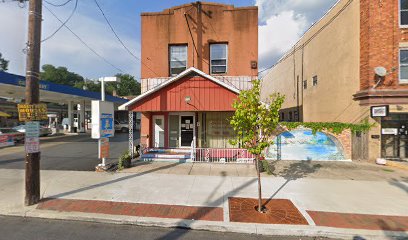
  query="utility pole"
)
[{"x": 32, "y": 96}]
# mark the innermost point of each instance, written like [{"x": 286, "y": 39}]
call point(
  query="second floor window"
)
[
  {"x": 404, "y": 13},
  {"x": 219, "y": 58},
  {"x": 403, "y": 73},
  {"x": 178, "y": 59}
]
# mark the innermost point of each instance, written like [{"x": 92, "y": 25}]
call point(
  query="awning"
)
[{"x": 3, "y": 114}]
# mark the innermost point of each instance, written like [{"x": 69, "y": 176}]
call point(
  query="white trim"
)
[{"x": 173, "y": 79}]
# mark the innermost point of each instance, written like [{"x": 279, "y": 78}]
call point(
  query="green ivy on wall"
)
[{"x": 333, "y": 127}]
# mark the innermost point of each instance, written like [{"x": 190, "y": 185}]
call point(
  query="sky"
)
[{"x": 281, "y": 24}]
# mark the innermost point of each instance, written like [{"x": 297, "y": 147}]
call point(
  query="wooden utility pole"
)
[{"x": 32, "y": 96}]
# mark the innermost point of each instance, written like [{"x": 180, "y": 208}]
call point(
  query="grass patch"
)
[{"x": 388, "y": 170}]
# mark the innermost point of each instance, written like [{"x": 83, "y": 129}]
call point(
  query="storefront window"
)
[{"x": 218, "y": 130}]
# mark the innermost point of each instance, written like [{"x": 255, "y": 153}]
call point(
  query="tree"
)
[
  {"x": 128, "y": 85},
  {"x": 60, "y": 75},
  {"x": 254, "y": 123},
  {"x": 3, "y": 63}
]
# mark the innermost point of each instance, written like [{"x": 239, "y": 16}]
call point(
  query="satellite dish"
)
[{"x": 380, "y": 71}]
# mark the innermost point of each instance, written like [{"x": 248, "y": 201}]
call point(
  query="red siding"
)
[{"x": 205, "y": 95}]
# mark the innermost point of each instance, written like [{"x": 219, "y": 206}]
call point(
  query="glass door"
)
[{"x": 186, "y": 130}]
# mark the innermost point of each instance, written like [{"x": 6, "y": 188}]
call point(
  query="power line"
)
[
  {"x": 58, "y": 5},
  {"x": 63, "y": 24},
  {"x": 121, "y": 42},
  {"x": 83, "y": 42}
]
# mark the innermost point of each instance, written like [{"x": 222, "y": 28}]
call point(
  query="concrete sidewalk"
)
[{"x": 388, "y": 198}]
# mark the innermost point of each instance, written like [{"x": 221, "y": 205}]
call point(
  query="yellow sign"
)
[{"x": 32, "y": 112}]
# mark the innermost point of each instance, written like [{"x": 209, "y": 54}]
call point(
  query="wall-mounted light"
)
[{"x": 187, "y": 99}]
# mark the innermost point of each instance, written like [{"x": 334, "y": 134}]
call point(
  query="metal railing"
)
[{"x": 221, "y": 155}]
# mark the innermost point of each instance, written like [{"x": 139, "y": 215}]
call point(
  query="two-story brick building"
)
[
  {"x": 329, "y": 75},
  {"x": 195, "y": 59}
]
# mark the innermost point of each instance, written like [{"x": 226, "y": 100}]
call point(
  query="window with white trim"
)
[
  {"x": 403, "y": 66},
  {"x": 404, "y": 13},
  {"x": 218, "y": 58},
  {"x": 177, "y": 59}
]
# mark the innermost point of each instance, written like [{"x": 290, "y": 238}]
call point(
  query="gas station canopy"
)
[{"x": 13, "y": 86}]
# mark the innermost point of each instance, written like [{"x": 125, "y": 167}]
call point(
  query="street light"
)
[{"x": 106, "y": 79}]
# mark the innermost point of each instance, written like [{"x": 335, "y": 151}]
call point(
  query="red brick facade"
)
[{"x": 380, "y": 37}]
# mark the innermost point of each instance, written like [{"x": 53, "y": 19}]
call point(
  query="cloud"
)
[
  {"x": 64, "y": 49},
  {"x": 283, "y": 22}
]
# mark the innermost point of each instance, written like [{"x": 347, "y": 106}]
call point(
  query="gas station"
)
[{"x": 75, "y": 101}]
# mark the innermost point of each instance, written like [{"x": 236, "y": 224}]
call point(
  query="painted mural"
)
[{"x": 302, "y": 144}]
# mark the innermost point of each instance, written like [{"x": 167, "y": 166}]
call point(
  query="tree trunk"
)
[{"x": 258, "y": 172}]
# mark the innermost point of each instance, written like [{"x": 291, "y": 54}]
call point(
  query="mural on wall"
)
[{"x": 304, "y": 145}]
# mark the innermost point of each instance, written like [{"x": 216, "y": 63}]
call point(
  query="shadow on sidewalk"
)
[
  {"x": 399, "y": 184},
  {"x": 113, "y": 181},
  {"x": 293, "y": 172}
]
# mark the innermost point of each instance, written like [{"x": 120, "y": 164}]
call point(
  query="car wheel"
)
[{"x": 125, "y": 130}]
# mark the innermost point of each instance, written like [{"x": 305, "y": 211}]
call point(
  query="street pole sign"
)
[
  {"x": 103, "y": 127},
  {"x": 32, "y": 137}
]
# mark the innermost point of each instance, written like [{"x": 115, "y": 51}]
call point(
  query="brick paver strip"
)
[
  {"x": 279, "y": 211},
  {"x": 133, "y": 209},
  {"x": 359, "y": 221}
]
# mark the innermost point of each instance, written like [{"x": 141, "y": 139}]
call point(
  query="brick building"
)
[
  {"x": 329, "y": 75},
  {"x": 195, "y": 59}
]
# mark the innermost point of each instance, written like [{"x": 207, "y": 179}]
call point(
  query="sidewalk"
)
[{"x": 331, "y": 208}]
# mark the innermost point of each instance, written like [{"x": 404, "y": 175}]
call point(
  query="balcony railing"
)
[{"x": 239, "y": 82}]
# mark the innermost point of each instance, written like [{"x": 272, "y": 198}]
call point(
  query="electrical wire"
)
[
  {"x": 58, "y": 5},
  {"x": 64, "y": 23},
  {"x": 120, "y": 40},
  {"x": 83, "y": 42}
]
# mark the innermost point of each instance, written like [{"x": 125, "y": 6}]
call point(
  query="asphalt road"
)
[
  {"x": 76, "y": 153},
  {"x": 18, "y": 228}
]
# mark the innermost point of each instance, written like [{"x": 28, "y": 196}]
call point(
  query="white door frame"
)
[
  {"x": 187, "y": 114},
  {"x": 154, "y": 131}
]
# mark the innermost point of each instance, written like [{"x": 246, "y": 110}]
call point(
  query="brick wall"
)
[{"x": 380, "y": 37}]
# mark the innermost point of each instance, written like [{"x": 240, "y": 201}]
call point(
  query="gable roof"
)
[{"x": 174, "y": 79}]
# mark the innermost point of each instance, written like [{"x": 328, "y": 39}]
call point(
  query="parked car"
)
[
  {"x": 17, "y": 136},
  {"x": 121, "y": 126},
  {"x": 44, "y": 131}
]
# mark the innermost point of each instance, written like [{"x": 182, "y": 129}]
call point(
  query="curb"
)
[{"x": 257, "y": 229}]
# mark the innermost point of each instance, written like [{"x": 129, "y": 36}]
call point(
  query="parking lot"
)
[{"x": 76, "y": 153}]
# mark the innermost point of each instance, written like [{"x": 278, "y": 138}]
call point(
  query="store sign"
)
[
  {"x": 32, "y": 137},
  {"x": 379, "y": 111},
  {"x": 104, "y": 148},
  {"x": 32, "y": 112},
  {"x": 6, "y": 141},
  {"x": 389, "y": 131}
]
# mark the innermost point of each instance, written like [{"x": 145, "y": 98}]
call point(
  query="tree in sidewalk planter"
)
[{"x": 254, "y": 123}]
